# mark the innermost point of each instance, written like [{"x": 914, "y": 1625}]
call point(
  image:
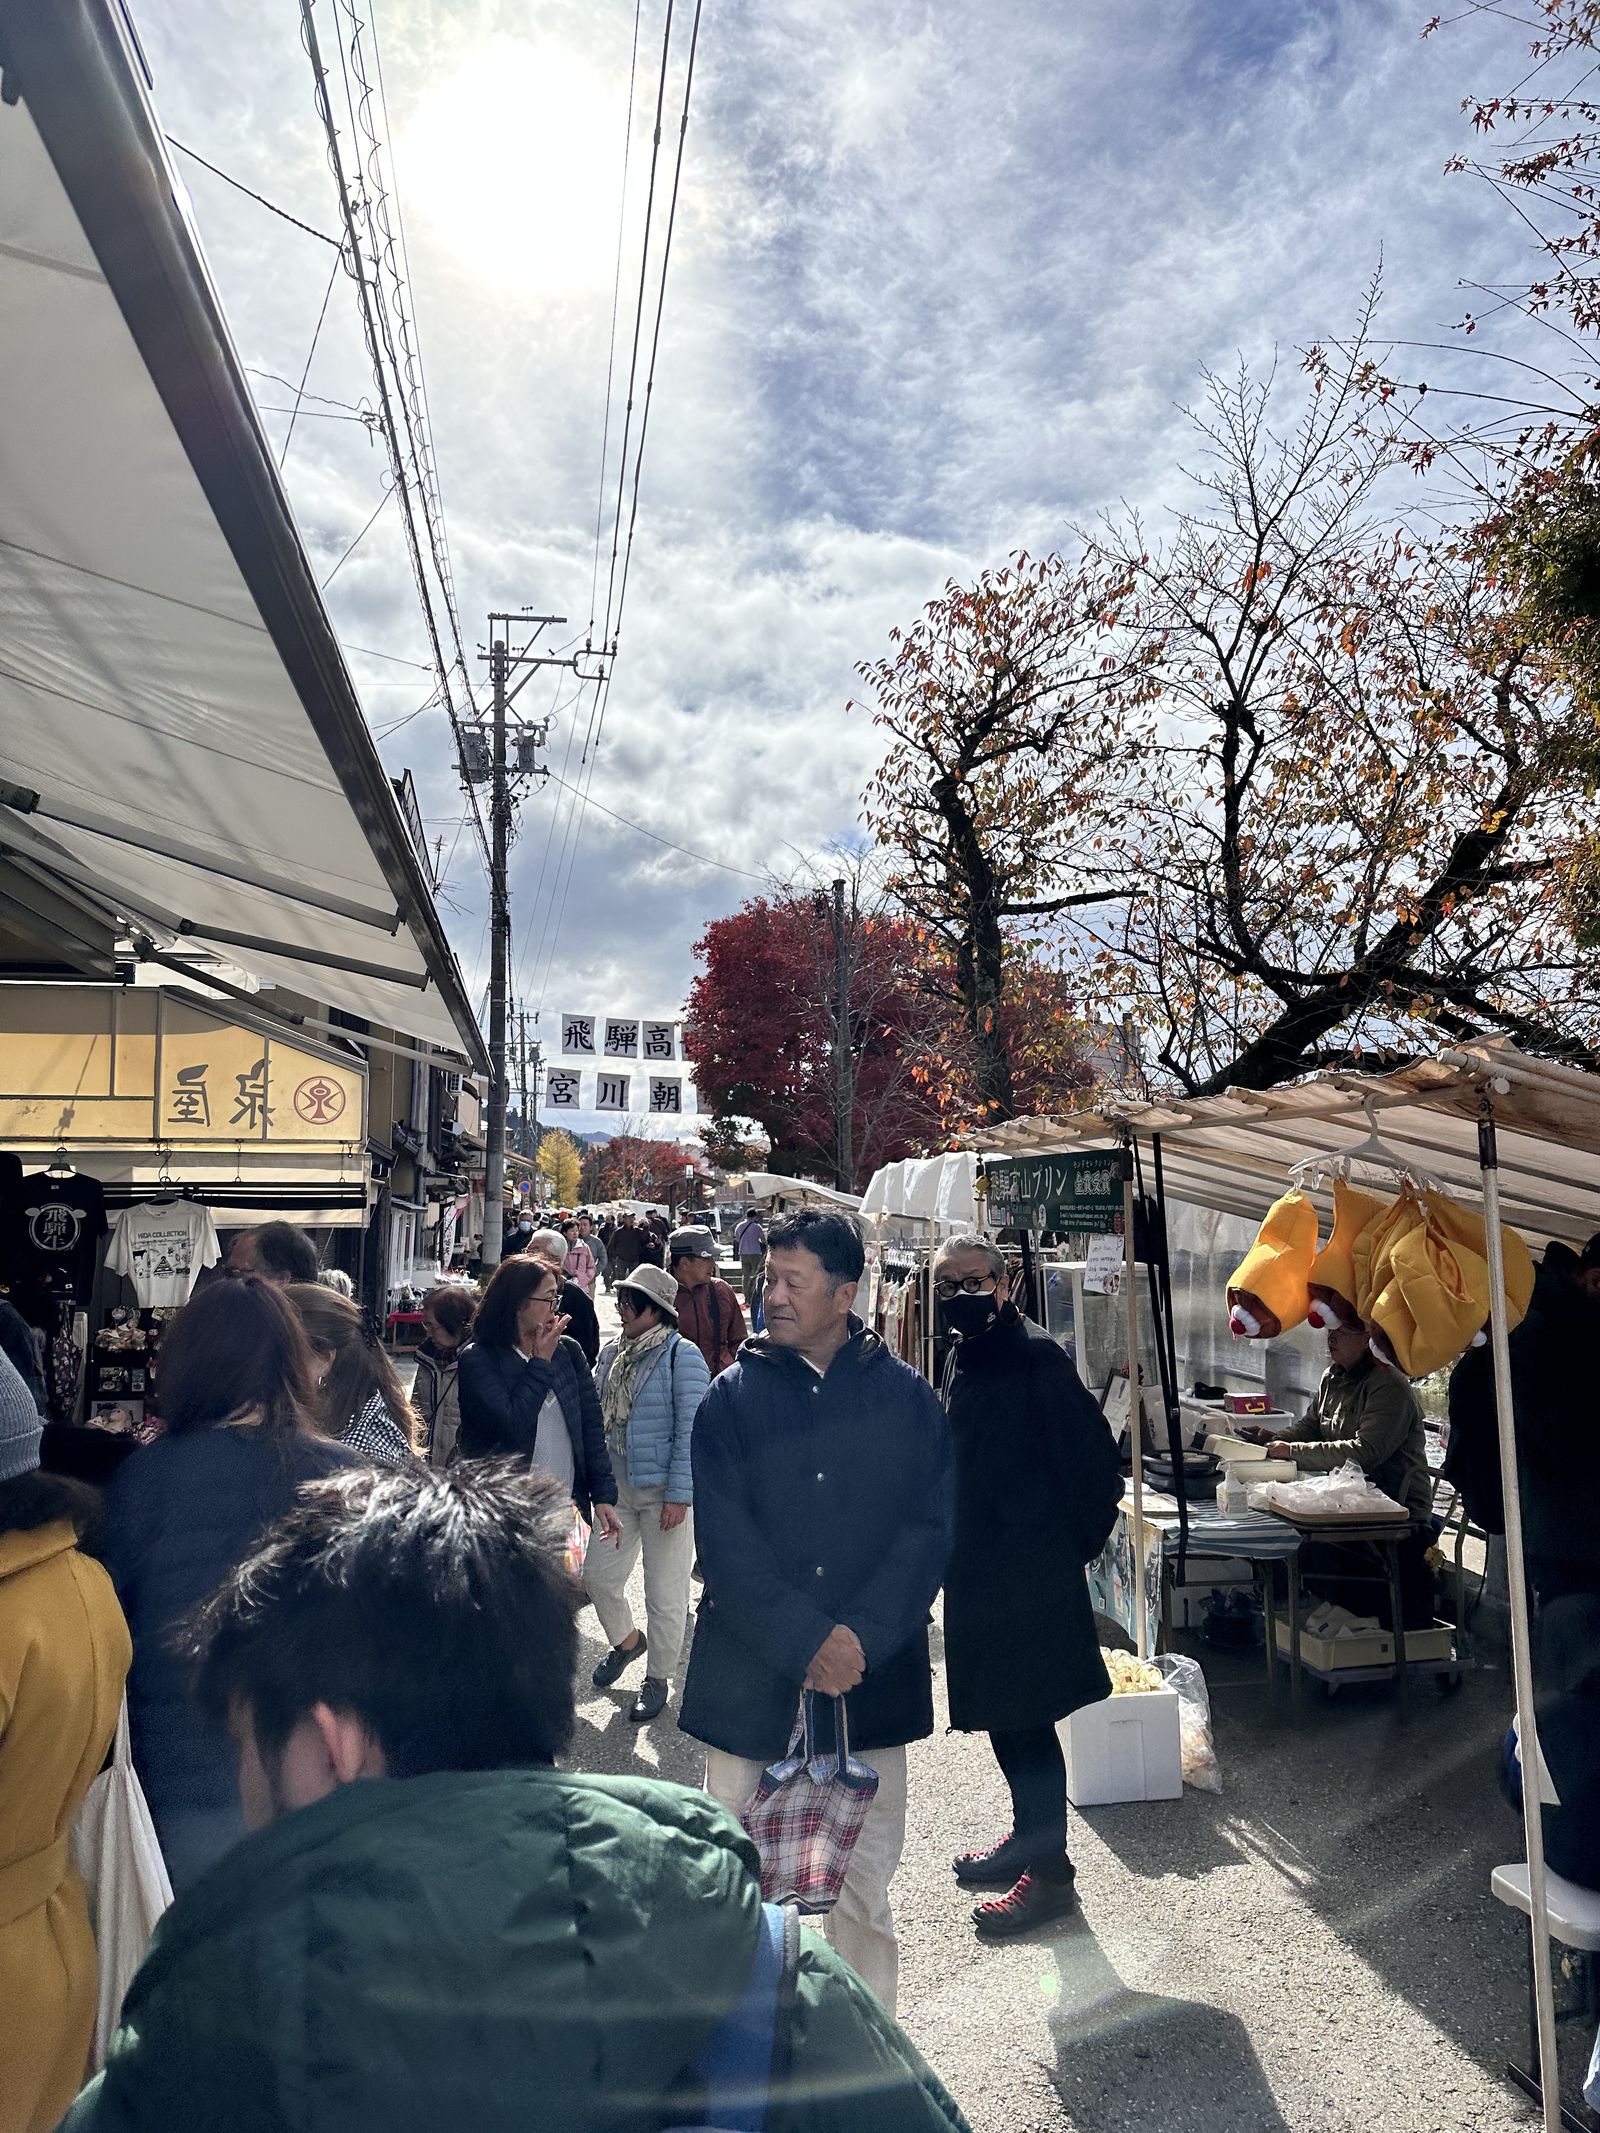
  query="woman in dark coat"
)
[
  {"x": 525, "y": 1389},
  {"x": 1037, "y": 1489}
]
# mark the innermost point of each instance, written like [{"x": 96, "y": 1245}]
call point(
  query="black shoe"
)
[
  {"x": 997, "y": 1868},
  {"x": 1031, "y": 1903},
  {"x": 616, "y": 1661},
  {"x": 650, "y": 1702}
]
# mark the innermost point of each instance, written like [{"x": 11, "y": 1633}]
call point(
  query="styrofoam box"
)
[
  {"x": 1373, "y": 1648},
  {"x": 1125, "y": 1748}
]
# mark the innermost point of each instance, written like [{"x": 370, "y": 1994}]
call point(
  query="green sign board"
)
[{"x": 1059, "y": 1192}]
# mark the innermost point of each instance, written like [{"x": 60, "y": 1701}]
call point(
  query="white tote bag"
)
[{"x": 114, "y": 1848}]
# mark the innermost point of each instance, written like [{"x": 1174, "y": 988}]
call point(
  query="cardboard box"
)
[
  {"x": 1125, "y": 1748},
  {"x": 1331, "y": 1655}
]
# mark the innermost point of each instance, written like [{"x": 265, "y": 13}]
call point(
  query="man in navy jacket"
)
[{"x": 822, "y": 1480}]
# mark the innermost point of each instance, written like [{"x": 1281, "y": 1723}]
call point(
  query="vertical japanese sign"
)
[
  {"x": 622, "y": 1038},
  {"x": 577, "y": 1035},
  {"x": 660, "y": 1041},
  {"x": 611, "y": 1091}
]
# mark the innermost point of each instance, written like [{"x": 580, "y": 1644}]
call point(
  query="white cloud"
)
[{"x": 939, "y": 285}]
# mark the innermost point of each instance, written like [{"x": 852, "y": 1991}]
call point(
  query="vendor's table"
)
[
  {"x": 1251, "y": 1536},
  {"x": 1387, "y": 1534},
  {"x": 412, "y": 1324}
]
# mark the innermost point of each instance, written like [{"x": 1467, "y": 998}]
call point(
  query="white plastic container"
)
[{"x": 1125, "y": 1748}]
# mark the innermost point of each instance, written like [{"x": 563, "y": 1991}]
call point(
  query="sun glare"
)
[{"x": 516, "y": 163}]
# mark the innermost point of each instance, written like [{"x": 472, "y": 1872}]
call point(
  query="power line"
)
[
  {"x": 616, "y": 298},
  {"x": 311, "y": 354},
  {"x": 356, "y": 543},
  {"x": 260, "y": 199},
  {"x": 655, "y": 836}
]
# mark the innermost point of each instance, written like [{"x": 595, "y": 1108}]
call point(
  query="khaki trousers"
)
[
  {"x": 668, "y": 1560},
  {"x": 861, "y": 1924}
]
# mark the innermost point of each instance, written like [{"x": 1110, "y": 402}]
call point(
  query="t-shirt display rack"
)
[{"x": 100, "y": 1292}]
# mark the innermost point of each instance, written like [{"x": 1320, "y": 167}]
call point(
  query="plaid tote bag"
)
[{"x": 807, "y": 1814}]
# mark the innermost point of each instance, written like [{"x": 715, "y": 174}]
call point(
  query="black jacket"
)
[
  {"x": 502, "y": 1392},
  {"x": 818, "y": 1501},
  {"x": 180, "y": 1515},
  {"x": 1037, "y": 1489},
  {"x": 1554, "y": 1357},
  {"x": 585, "y": 1327}
]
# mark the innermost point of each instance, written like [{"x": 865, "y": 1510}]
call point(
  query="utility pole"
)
[
  {"x": 844, "y": 1095},
  {"x": 530, "y": 738},
  {"x": 522, "y": 1069}
]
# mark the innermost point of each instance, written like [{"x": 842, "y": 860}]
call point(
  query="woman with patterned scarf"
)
[{"x": 650, "y": 1381}]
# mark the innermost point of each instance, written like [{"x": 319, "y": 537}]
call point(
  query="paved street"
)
[{"x": 1314, "y": 1950}]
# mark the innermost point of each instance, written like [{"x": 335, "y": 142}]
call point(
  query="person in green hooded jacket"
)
[{"x": 433, "y": 1927}]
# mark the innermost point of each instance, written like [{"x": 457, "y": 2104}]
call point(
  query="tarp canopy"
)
[
  {"x": 185, "y": 756},
  {"x": 937, "y": 1189},
  {"x": 1233, "y": 1151},
  {"x": 789, "y": 1192}
]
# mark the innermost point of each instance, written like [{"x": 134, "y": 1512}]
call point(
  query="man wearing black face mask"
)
[{"x": 1037, "y": 1489}]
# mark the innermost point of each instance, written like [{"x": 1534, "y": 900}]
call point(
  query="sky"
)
[{"x": 941, "y": 284}]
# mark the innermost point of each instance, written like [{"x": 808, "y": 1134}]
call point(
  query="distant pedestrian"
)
[
  {"x": 580, "y": 1265},
  {"x": 750, "y": 1242},
  {"x": 822, "y": 1496},
  {"x": 447, "y": 1316},
  {"x": 277, "y": 1251},
  {"x": 573, "y": 1303},
  {"x": 525, "y": 1389},
  {"x": 650, "y": 1382},
  {"x": 652, "y": 1244},
  {"x": 237, "y": 1401},
  {"x": 709, "y": 1314},
  {"x": 622, "y": 1247},
  {"x": 360, "y": 1399},
  {"x": 64, "y": 1655},
  {"x": 435, "y": 1926},
  {"x": 595, "y": 1239},
  {"x": 1037, "y": 1473}
]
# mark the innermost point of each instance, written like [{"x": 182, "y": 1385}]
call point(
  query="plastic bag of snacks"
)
[
  {"x": 1195, "y": 1746},
  {"x": 1129, "y": 1675}
]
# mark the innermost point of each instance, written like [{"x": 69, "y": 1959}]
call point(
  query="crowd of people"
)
[
  {"x": 314, "y": 1585},
  {"x": 346, "y": 1622}
]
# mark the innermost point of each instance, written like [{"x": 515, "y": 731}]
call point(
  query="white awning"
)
[
  {"x": 183, "y": 751},
  {"x": 789, "y": 1192},
  {"x": 1234, "y": 1151}
]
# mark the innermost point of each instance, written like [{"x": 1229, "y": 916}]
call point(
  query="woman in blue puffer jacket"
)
[{"x": 650, "y": 1382}]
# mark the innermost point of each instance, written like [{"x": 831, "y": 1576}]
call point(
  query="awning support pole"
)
[
  {"x": 1521, "y": 1647},
  {"x": 1135, "y": 1402}
]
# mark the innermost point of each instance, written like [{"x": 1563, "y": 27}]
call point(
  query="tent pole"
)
[
  {"x": 1521, "y": 1649},
  {"x": 1135, "y": 1403}
]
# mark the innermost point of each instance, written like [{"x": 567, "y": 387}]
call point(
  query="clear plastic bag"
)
[
  {"x": 1345, "y": 1493},
  {"x": 1196, "y": 1747}
]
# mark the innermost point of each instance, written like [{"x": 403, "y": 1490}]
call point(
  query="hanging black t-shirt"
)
[{"x": 63, "y": 1221}]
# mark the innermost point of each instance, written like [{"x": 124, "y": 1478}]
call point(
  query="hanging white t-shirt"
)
[{"x": 161, "y": 1246}]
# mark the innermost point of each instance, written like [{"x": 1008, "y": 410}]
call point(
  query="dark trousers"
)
[{"x": 1031, "y": 1763}]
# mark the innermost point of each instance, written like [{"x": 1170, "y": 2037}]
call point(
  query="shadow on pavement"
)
[{"x": 1136, "y": 2059}]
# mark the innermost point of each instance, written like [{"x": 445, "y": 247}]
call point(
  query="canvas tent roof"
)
[
  {"x": 1233, "y": 1151},
  {"x": 938, "y": 1188},
  {"x": 792, "y": 1192},
  {"x": 183, "y": 749}
]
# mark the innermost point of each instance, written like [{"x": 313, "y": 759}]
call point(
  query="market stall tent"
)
[
  {"x": 186, "y": 765},
  {"x": 939, "y": 1189},
  {"x": 1480, "y": 1117},
  {"x": 769, "y": 1188}
]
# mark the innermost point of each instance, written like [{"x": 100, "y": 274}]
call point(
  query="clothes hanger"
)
[
  {"x": 60, "y": 1164},
  {"x": 1371, "y": 1153}
]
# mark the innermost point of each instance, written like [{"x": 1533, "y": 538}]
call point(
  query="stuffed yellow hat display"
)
[
  {"x": 1434, "y": 1296},
  {"x": 1369, "y": 1253},
  {"x": 1468, "y": 1226},
  {"x": 1267, "y": 1292},
  {"x": 1333, "y": 1274}
]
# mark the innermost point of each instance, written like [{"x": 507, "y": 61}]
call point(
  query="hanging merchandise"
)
[
  {"x": 69, "y": 1336},
  {"x": 1433, "y": 1301},
  {"x": 161, "y": 1246},
  {"x": 1333, "y": 1274},
  {"x": 63, "y": 1220},
  {"x": 1369, "y": 1255},
  {"x": 1269, "y": 1290}
]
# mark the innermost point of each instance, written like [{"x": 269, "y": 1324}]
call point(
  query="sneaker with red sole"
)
[
  {"x": 997, "y": 1868},
  {"x": 1031, "y": 1903}
]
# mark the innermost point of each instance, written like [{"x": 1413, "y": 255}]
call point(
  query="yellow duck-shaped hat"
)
[
  {"x": 1333, "y": 1273},
  {"x": 1268, "y": 1293}
]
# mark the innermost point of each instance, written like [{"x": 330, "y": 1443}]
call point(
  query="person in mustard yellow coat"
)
[{"x": 64, "y": 1655}]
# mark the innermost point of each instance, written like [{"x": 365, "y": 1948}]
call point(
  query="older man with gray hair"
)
[
  {"x": 550, "y": 1246},
  {"x": 1037, "y": 1490}
]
